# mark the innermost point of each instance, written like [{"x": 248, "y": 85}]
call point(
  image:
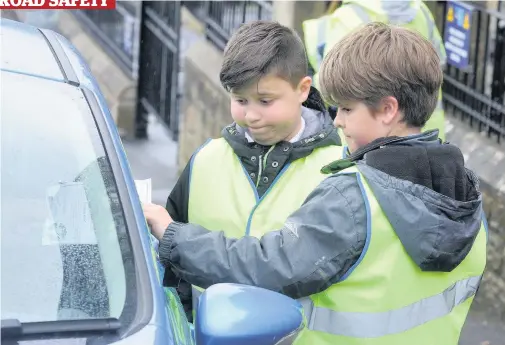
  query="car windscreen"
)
[{"x": 65, "y": 249}]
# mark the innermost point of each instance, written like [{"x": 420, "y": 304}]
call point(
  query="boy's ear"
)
[
  {"x": 304, "y": 88},
  {"x": 389, "y": 110}
]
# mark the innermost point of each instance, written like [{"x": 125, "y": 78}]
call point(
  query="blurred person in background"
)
[{"x": 342, "y": 17}]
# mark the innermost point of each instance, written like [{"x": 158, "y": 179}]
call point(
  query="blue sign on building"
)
[{"x": 458, "y": 22}]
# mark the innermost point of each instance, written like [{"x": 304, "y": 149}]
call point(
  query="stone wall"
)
[{"x": 205, "y": 105}]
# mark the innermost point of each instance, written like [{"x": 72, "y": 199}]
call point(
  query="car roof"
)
[
  {"x": 43, "y": 53},
  {"x": 26, "y": 50}
]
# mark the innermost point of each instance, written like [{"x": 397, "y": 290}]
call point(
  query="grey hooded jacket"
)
[{"x": 430, "y": 198}]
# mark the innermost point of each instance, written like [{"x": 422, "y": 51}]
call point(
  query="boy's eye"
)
[
  {"x": 346, "y": 109},
  {"x": 241, "y": 101},
  {"x": 265, "y": 101}
]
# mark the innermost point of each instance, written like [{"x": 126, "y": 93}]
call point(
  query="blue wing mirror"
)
[{"x": 231, "y": 314}]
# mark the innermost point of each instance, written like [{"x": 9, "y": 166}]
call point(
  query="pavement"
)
[
  {"x": 154, "y": 158},
  {"x": 482, "y": 329}
]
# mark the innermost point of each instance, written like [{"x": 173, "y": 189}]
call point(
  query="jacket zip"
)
[{"x": 262, "y": 161}]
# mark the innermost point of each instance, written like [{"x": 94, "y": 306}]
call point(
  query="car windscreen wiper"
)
[{"x": 15, "y": 329}]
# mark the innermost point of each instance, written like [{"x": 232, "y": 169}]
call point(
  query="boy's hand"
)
[{"x": 158, "y": 219}]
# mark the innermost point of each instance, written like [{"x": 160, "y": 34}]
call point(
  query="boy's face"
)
[
  {"x": 361, "y": 126},
  {"x": 270, "y": 110}
]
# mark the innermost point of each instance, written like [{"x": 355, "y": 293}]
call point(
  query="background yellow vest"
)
[
  {"x": 387, "y": 299},
  {"x": 328, "y": 30}
]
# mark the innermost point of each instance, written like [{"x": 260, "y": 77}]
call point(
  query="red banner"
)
[{"x": 58, "y": 4}]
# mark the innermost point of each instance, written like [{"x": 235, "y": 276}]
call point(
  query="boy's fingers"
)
[
  {"x": 148, "y": 211},
  {"x": 151, "y": 211},
  {"x": 148, "y": 207}
]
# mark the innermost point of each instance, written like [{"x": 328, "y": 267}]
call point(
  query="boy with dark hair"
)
[
  {"x": 267, "y": 161},
  {"x": 389, "y": 249}
]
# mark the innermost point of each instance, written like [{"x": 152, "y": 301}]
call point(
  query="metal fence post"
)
[{"x": 158, "y": 65}]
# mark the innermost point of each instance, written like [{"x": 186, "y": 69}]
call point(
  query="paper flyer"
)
[
  {"x": 70, "y": 220},
  {"x": 144, "y": 190}
]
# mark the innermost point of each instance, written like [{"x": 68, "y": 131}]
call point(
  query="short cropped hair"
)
[
  {"x": 260, "y": 48},
  {"x": 380, "y": 60}
]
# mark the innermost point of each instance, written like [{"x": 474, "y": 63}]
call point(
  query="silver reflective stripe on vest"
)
[
  {"x": 321, "y": 30},
  {"x": 195, "y": 295},
  {"x": 361, "y": 13},
  {"x": 434, "y": 39},
  {"x": 440, "y": 104},
  {"x": 429, "y": 23},
  {"x": 321, "y": 40},
  {"x": 373, "y": 325}
]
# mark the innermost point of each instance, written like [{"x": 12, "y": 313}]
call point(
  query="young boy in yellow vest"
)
[
  {"x": 391, "y": 247},
  {"x": 268, "y": 161}
]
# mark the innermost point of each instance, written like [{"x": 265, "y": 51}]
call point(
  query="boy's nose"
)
[
  {"x": 338, "y": 121},
  {"x": 252, "y": 116}
]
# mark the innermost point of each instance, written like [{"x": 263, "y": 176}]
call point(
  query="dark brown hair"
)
[{"x": 260, "y": 48}]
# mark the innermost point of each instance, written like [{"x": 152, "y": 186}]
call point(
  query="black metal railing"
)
[
  {"x": 476, "y": 92},
  {"x": 117, "y": 31},
  {"x": 159, "y": 65},
  {"x": 222, "y": 18}
]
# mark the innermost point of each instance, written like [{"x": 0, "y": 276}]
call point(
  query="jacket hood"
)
[
  {"x": 394, "y": 12},
  {"x": 429, "y": 197},
  {"x": 319, "y": 130}
]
